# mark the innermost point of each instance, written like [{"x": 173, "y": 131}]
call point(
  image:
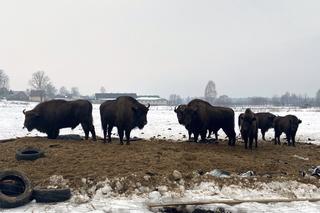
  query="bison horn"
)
[
  {"x": 148, "y": 106},
  {"x": 24, "y": 111},
  {"x": 175, "y": 108}
]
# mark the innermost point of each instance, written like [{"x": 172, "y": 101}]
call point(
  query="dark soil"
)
[{"x": 97, "y": 161}]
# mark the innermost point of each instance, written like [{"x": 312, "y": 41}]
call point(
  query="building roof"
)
[{"x": 37, "y": 93}]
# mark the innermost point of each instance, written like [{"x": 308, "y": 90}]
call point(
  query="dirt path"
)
[{"x": 95, "y": 161}]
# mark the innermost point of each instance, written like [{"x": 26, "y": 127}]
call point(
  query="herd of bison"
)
[{"x": 126, "y": 113}]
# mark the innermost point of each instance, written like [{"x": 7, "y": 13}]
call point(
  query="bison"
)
[
  {"x": 248, "y": 128},
  {"x": 180, "y": 115},
  {"x": 125, "y": 113},
  {"x": 201, "y": 116},
  {"x": 51, "y": 116},
  {"x": 264, "y": 120},
  {"x": 289, "y": 125}
]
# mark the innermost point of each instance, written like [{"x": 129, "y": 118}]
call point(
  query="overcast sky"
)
[{"x": 248, "y": 48}]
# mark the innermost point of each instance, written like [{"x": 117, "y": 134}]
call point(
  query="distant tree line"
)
[
  {"x": 287, "y": 99},
  {"x": 40, "y": 81}
]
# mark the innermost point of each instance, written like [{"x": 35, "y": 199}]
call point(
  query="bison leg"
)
[
  {"x": 121, "y": 133},
  {"x": 109, "y": 133},
  {"x": 104, "y": 134},
  {"x": 216, "y": 134},
  {"x": 276, "y": 138},
  {"x": 93, "y": 132},
  {"x": 256, "y": 140},
  {"x": 203, "y": 136},
  {"x": 293, "y": 137},
  {"x": 128, "y": 136},
  {"x": 263, "y": 134},
  {"x": 85, "y": 128},
  {"x": 245, "y": 142},
  {"x": 189, "y": 133},
  {"x": 231, "y": 135},
  {"x": 196, "y": 135},
  {"x": 250, "y": 142},
  {"x": 288, "y": 135}
]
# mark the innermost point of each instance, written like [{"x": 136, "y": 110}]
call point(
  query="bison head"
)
[
  {"x": 180, "y": 110},
  {"x": 31, "y": 119},
  {"x": 247, "y": 121},
  {"x": 190, "y": 114},
  {"x": 140, "y": 115}
]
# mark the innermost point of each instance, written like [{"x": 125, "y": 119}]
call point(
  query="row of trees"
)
[
  {"x": 39, "y": 81},
  {"x": 211, "y": 95}
]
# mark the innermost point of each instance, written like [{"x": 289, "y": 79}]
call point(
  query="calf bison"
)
[
  {"x": 248, "y": 128},
  {"x": 286, "y": 124},
  {"x": 200, "y": 116},
  {"x": 51, "y": 116},
  {"x": 125, "y": 113}
]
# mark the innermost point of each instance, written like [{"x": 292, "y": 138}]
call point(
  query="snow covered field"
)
[{"x": 162, "y": 123}]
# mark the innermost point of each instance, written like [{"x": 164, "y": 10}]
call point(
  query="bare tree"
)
[
  {"x": 64, "y": 91},
  {"x": 102, "y": 89},
  {"x": 4, "y": 80},
  {"x": 75, "y": 92},
  {"x": 39, "y": 80},
  {"x": 210, "y": 92},
  {"x": 223, "y": 100},
  {"x": 51, "y": 91}
]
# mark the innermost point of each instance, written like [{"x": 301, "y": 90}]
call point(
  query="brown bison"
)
[
  {"x": 125, "y": 113},
  {"x": 180, "y": 115},
  {"x": 248, "y": 128},
  {"x": 51, "y": 116},
  {"x": 289, "y": 125},
  {"x": 264, "y": 121},
  {"x": 201, "y": 116}
]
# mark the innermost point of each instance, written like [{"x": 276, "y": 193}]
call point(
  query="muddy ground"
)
[{"x": 157, "y": 160}]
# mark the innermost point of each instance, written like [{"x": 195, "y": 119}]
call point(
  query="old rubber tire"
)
[
  {"x": 29, "y": 154},
  {"x": 7, "y": 200},
  {"x": 12, "y": 187},
  {"x": 51, "y": 195}
]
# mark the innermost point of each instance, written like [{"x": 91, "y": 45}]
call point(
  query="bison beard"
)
[
  {"x": 126, "y": 113},
  {"x": 51, "y": 116}
]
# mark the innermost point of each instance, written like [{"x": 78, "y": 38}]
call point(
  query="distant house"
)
[
  {"x": 37, "y": 95},
  {"x": 112, "y": 96},
  {"x": 153, "y": 100},
  {"x": 18, "y": 96}
]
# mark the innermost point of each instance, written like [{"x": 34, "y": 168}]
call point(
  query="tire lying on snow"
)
[
  {"x": 13, "y": 199},
  {"x": 51, "y": 195},
  {"x": 29, "y": 154}
]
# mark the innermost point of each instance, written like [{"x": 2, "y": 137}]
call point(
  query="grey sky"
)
[{"x": 167, "y": 46}]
